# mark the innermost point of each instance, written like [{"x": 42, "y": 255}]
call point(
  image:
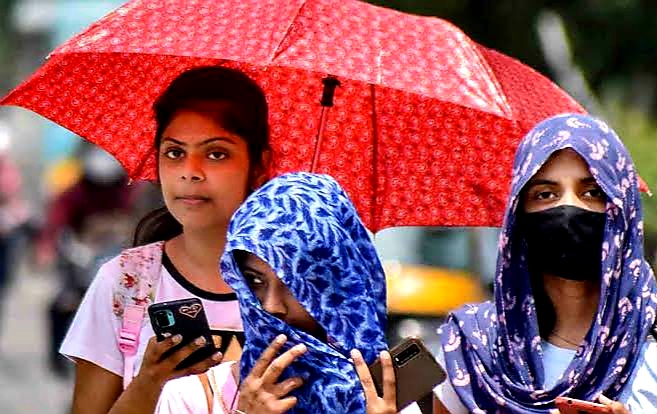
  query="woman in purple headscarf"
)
[{"x": 575, "y": 299}]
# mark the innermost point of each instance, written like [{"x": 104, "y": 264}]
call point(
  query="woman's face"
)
[
  {"x": 204, "y": 170},
  {"x": 276, "y": 298},
  {"x": 564, "y": 179}
]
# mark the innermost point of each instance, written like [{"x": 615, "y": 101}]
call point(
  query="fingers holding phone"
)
[
  {"x": 416, "y": 372},
  {"x": 162, "y": 359},
  {"x": 386, "y": 404},
  {"x": 183, "y": 344},
  {"x": 567, "y": 405},
  {"x": 261, "y": 390},
  {"x": 615, "y": 406}
]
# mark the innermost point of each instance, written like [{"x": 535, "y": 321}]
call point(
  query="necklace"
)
[{"x": 564, "y": 339}]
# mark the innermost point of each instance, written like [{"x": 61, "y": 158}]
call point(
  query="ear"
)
[{"x": 261, "y": 174}]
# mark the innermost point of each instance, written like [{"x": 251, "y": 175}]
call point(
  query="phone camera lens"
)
[{"x": 164, "y": 318}]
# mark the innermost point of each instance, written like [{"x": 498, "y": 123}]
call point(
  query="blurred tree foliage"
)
[
  {"x": 6, "y": 37},
  {"x": 639, "y": 133},
  {"x": 5, "y": 26},
  {"x": 612, "y": 40}
]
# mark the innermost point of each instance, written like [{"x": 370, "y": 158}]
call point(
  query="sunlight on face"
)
[
  {"x": 203, "y": 168},
  {"x": 564, "y": 179}
]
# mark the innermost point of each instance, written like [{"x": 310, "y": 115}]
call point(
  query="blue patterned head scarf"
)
[
  {"x": 306, "y": 228},
  {"x": 493, "y": 350}
]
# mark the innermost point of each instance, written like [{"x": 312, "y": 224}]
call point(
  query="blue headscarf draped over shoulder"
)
[
  {"x": 306, "y": 228},
  {"x": 493, "y": 351}
]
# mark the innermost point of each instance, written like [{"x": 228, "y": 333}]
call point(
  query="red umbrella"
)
[{"x": 424, "y": 125}]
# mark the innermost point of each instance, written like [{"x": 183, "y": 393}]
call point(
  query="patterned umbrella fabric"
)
[{"x": 424, "y": 125}]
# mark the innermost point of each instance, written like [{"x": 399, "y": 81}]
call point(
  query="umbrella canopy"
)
[{"x": 424, "y": 125}]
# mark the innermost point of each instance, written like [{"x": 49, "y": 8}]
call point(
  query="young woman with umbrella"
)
[
  {"x": 212, "y": 144},
  {"x": 575, "y": 299}
]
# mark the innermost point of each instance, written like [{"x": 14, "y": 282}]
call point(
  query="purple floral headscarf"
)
[{"x": 493, "y": 350}]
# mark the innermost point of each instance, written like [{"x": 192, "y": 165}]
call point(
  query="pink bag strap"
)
[
  {"x": 133, "y": 315},
  {"x": 134, "y": 292}
]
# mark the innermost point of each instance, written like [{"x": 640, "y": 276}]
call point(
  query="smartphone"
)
[
  {"x": 416, "y": 372},
  {"x": 185, "y": 317},
  {"x": 567, "y": 405}
]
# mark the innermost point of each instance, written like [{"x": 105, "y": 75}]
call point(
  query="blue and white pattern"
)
[
  {"x": 306, "y": 228},
  {"x": 493, "y": 350}
]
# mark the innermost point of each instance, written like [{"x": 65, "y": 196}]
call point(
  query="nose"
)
[
  {"x": 570, "y": 198},
  {"x": 274, "y": 303},
  {"x": 193, "y": 170}
]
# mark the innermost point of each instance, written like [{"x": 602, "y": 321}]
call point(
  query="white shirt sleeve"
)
[{"x": 93, "y": 333}]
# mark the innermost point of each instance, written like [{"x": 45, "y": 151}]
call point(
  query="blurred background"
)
[{"x": 52, "y": 236}]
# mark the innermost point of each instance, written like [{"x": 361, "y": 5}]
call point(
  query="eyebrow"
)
[
  {"x": 588, "y": 180},
  {"x": 542, "y": 181},
  {"x": 251, "y": 269},
  {"x": 206, "y": 142}
]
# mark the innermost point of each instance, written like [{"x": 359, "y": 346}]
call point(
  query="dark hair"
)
[{"x": 197, "y": 89}]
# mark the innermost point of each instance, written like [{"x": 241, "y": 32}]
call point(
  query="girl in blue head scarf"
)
[
  {"x": 302, "y": 265},
  {"x": 574, "y": 299}
]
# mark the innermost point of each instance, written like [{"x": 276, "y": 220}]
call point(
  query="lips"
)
[{"x": 192, "y": 199}]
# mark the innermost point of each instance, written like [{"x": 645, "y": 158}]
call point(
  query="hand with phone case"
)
[
  {"x": 184, "y": 317},
  {"x": 416, "y": 371},
  {"x": 567, "y": 405},
  {"x": 386, "y": 402},
  {"x": 180, "y": 351}
]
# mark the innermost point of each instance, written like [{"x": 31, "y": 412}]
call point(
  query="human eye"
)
[
  {"x": 253, "y": 279},
  {"x": 595, "y": 192},
  {"x": 544, "y": 195},
  {"x": 173, "y": 153},
  {"x": 217, "y": 155}
]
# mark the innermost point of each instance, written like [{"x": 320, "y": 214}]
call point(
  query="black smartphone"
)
[
  {"x": 185, "y": 317},
  {"x": 416, "y": 372}
]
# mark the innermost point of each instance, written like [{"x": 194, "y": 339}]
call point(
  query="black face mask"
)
[{"x": 565, "y": 241}]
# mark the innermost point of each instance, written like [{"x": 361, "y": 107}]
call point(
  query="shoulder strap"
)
[
  {"x": 134, "y": 291},
  {"x": 223, "y": 385},
  {"x": 209, "y": 390}
]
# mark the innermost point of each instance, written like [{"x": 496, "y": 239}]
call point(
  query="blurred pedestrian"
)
[
  {"x": 574, "y": 304},
  {"x": 14, "y": 213},
  {"x": 84, "y": 224}
]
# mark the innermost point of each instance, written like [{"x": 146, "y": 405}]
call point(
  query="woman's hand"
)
[
  {"x": 261, "y": 393},
  {"x": 159, "y": 369},
  {"x": 143, "y": 393},
  {"x": 375, "y": 404},
  {"x": 616, "y": 407}
]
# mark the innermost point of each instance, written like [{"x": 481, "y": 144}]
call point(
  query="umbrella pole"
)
[{"x": 330, "y": 83}]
